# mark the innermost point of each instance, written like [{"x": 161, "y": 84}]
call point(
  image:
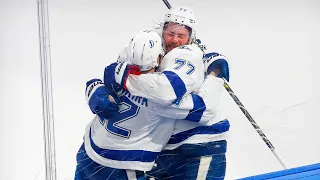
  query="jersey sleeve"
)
[
  {"x": 182, "y": 71},
  {"x": 201, "y": 106}
]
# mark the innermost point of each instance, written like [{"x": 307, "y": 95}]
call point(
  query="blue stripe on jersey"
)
[
  {"x": 177, "y": 84},
  {"x": 198, "y": 108},
  {"x": 124, "y": 155},
  {"x": 217, "y": 128}
]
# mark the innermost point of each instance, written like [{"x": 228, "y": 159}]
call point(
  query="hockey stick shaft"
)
[
  {"x": 253, "y": 123},
  {"x": 167, "y": 4},
  {"x": 245, "y": 112}
]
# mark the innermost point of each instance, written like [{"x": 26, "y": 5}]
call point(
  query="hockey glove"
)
[
  {"x": 101, "y": 101},
  {"x": 118, "y": 73},
  {"x": 214, "y": 61},
  {"x": 201, "y": 46}
]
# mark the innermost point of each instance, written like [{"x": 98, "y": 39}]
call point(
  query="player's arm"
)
[
  {"x": 201, "y": 106},
  {"x": 183, "y": 73},
  {"x": 101, "y": 100},
  {"x": 163, "y": 88}
]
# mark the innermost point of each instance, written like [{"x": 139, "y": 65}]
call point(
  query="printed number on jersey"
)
[
  {"x": 181, "y": 63},
  {"x": 127, "y": 111}
]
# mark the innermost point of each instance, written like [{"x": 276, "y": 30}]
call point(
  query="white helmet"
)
[
  {"x": 143, "y": 50},
  {"x": 183, "y": 16}
]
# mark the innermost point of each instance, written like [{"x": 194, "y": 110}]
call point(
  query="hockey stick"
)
[
  {"x": 253, "y": 123},
  {"x": 245, "y": 112},
  {"x": 167, "y": 4}
]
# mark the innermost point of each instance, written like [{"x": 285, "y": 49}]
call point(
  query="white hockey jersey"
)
[
  {"x": 188, "y": 132},
  {"x": 134, "y": 137},
  {"x": 182, "y": 72}
]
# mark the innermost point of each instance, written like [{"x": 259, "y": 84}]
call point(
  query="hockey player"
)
[
  {"x": 131, "y": 139},
  {"x": 194, "y": 150}
]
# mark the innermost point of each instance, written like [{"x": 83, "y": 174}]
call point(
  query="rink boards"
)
[{"x": 309, "y": 172}]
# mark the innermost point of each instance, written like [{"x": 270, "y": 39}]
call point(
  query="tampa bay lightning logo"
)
[{"x": 151, "y": 43}]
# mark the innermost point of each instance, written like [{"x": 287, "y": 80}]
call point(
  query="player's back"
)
[{"x": 131, "y": 139}]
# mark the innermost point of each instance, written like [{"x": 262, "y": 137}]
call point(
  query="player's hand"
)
[
  {"x": 101, "y": 101},
  {"x": 218, "y": 64},
  {"x": 118, "y": 73}
]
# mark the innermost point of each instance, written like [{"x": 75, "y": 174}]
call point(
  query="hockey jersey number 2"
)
[{"x": 127, "y": 111}]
